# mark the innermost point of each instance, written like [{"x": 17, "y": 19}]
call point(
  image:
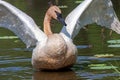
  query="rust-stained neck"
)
[
  {"x": 50, "y": 14},
  {"x": 47, "y": 27}
]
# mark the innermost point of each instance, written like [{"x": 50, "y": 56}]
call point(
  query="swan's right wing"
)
[
  {"x": 100, "y": 12},
  {"x": 20, "y": 23}
]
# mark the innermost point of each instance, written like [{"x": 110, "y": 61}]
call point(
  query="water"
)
[{"x": 96, "y": 61}]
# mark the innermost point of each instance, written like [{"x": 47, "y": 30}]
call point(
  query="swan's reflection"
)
[{"x": 60, "y": 75}]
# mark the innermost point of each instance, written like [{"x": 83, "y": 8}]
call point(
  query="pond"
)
[{"x": 97, "y": 59}]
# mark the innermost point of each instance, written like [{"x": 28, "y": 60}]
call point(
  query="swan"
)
[{"x": 55, "y": 51}]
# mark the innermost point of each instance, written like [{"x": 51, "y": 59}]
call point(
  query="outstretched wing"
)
[
  {"x": 20, "y": 23},
  {"x": 100, "y": 12}
]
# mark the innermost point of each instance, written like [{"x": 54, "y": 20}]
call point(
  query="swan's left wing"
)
[
  {"x": 20, "y": 23},
  {"x": 100, "y": 12}
]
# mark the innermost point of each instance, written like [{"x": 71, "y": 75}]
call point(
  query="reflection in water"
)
[{"x": 60, "y": 75}]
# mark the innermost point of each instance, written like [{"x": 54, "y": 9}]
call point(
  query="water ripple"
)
[
  {"x": 15, "y": 61},
  {"x": 92, "y": 58},
  {"x": 14, "y": 69}
]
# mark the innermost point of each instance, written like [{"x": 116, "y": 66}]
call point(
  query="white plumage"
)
[
  {"x": 100, "y": 12},
  {"x": 21, "y": 24}
]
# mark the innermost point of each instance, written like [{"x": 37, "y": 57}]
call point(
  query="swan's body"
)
[
  {"x": 55, "y": 54},
  {"x": 56, "y": 51}
]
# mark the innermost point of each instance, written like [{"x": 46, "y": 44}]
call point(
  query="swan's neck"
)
[{"x": 47, "y": 27}]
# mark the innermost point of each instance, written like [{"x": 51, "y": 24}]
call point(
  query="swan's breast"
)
[
  {"x": 56, "y": 53},
  {"x": 55, "y": 45}
]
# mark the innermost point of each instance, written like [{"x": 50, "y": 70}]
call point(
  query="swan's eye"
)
[
  {"x": 59, "y": 15},
  {"x": 60, "y": 19}
]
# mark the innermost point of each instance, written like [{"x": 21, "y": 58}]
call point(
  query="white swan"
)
[{"x": 56, "y": 51}]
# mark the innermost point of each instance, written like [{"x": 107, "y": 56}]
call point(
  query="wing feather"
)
[
  {"x": 20, "y": 23},
  {"x": 100, "y": 12}
]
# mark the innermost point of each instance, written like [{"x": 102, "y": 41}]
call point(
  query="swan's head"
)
[{"x": 55, "y": 13}]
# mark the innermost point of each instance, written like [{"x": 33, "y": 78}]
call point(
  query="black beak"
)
[{"x": 60, "y": 19}]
